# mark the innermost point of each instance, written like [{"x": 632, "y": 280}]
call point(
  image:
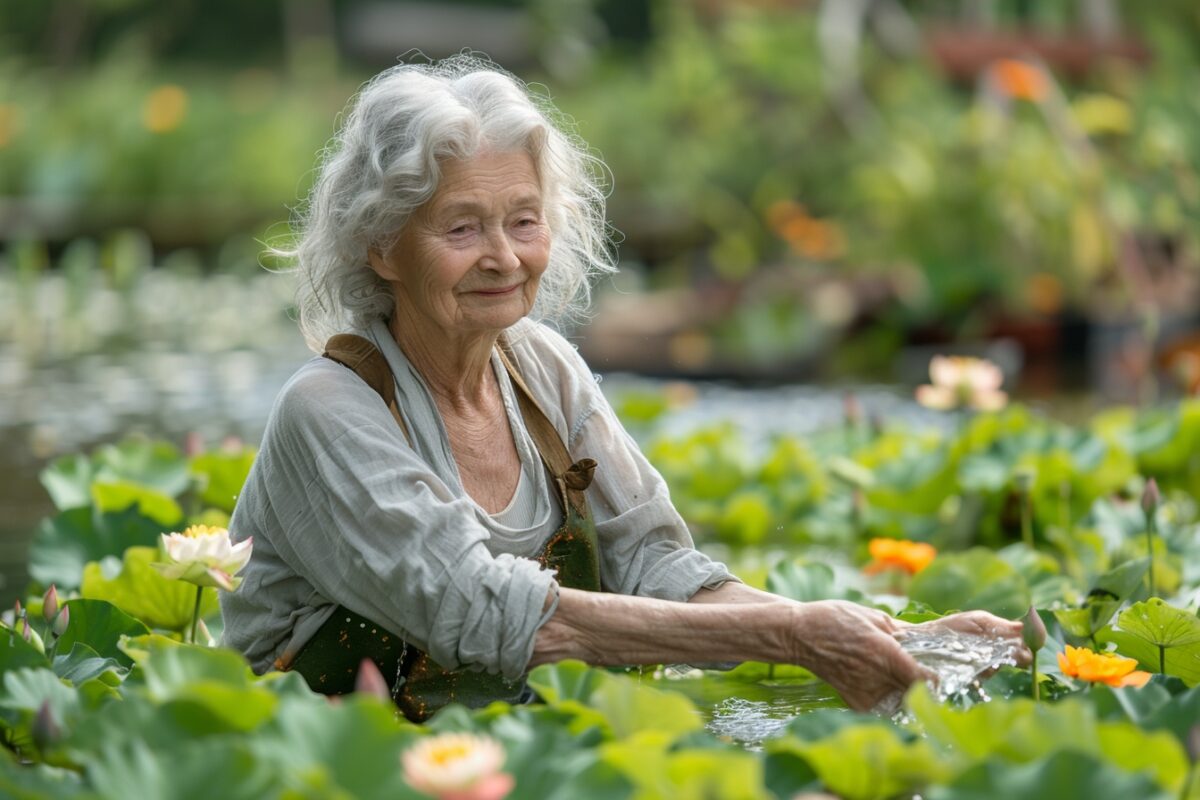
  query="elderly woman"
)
[{"x": 447, "y": 493}]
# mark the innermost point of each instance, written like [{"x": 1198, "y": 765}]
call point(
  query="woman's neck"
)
[{"x": 457, "y": 370}]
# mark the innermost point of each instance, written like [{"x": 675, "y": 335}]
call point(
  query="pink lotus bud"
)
[
  {"x": 371, "y": 681},
  {"x": 62, "y": 621},
  {"x": 17, "y": 613},
  {"x": 1151, "y": 496},
  {"x": 50, "y": 604},
  {"x": 1033, "y": 630},
  {"x": 31, "y": 636}
]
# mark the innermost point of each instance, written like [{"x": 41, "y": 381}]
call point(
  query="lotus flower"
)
[
  {"x": 1107, "y": 668},
  {"x": 457, "y": 766},
  {"x": 205, "y": 556},
  {"x": 963, "y": 381}
]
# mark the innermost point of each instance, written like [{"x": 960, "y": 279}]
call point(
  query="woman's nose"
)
[{"x": 500, "y": 254}]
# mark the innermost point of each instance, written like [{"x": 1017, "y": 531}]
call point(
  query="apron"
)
[{"x": 330, "y": 661}]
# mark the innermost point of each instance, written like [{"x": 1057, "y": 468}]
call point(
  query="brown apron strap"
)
[
  {"x": 576, "y": 475},
  {"x": 363, "y": 357}
]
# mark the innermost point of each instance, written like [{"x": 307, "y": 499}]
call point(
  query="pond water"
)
[{"x": 750, "y": 712}]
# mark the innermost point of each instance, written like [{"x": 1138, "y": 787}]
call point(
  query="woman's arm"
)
[
  {"x": 852, "y": 647},
  {"x": 734, "y": 592}
]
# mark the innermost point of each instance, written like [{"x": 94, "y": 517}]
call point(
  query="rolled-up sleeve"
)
[
  {"x": 645, "y": 546},
  {"x": 372, "y": 528}
]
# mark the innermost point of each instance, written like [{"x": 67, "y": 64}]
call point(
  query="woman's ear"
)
[{"x": 380, "y": 265}]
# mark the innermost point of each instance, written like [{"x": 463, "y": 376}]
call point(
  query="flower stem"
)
[
  {"x": 1027, "y": 519},
  {"x": 1033, "y": 673},
  {"x": 1150, "y": 551},
  {"x": 196, "y": 614},
  {"x": 1162, "y": 659}
]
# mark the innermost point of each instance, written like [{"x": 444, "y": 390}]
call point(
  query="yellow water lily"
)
[
  {"x": 457, "y": 766},
  {"x": 204, "y": 555}
]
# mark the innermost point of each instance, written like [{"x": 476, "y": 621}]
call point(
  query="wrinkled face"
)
[{"x": 470, "y": 259}]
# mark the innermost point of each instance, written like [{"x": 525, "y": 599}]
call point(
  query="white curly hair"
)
[{"x": 384, "y": 163}]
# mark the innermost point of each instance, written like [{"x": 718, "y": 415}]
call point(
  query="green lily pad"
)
[
  {"x": 1064, "y": 774},
  {"x": 687, "y": 774},
  {"x": 620, "y": 704},
  {"x": 156, "y": 465},
  {"x": 867, "y": 762},
  {"x": 100, "y": 626},
  {"x": 1021, "y": 730},
  {"x": 206, "y": 768},
  {"x": 142, "y": 592},
  {"x": 349, "y": 750},
  {"x": 64, "y": 544},
  {"x": 975, "y": 579},
  {"x": 82, "y": 664},
  {"x": 16, "y": 653},
  {"x": 68, "y": 481},
  {"x": 120, "y": 495},
  {"x": 797, "y": 580},
  {"x": 1161, "y": 637},
  {"x": 222, "y": 476},
  {"x": 1111, "y": 590},
  {"x": 207, "y": 689}
]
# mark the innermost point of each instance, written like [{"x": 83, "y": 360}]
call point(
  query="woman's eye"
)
[{"x": 459, "y": 230}]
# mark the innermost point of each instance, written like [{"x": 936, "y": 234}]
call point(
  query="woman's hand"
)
[
  {"x": 854, "y": 649},
  {"x": 981, "y": 623}
]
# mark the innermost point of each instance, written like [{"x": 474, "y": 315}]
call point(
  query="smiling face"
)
[{"x": 468, "y": 262}]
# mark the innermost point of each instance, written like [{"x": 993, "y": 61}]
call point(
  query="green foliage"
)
[
  {"x": 63, "y": 545},
  {"x": 221, "y": 475},
  {"x": 118, "y": 706},
  {"x": 977, "y": 578}
]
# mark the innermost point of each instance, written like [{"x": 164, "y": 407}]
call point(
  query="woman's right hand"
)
[{"x": 854, "y": 649}]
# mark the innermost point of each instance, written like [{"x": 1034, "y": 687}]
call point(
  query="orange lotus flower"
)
[
  {"x": 1107, "y": 668},
  {"x": 1021, "y": 80},
  {"x": 911, "y": 557}
]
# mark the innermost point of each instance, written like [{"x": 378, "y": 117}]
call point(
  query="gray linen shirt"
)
[{"x": 345, "y": 510}]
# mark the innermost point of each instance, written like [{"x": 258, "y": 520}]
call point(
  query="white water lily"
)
[
  {"x": 204, "y": 555},
  {"x": 457, "y": 766},
  {"x": 963, "y": 381}
]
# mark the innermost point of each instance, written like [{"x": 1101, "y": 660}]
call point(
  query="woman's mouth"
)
[{"x": 497, "y": 292}]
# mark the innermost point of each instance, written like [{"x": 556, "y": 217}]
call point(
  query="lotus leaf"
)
[
  {"x": 64, "y": 544},
  {"x": 977, "y": 578},
  {"x": 1161, "y": 637}
]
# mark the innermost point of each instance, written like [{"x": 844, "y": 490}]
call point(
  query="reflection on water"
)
[
  {"x": 749, "y": 712},
  {"x": 750, "y": 722}
]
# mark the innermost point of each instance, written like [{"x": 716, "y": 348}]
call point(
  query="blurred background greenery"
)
[{"x": 819, "y": 191}]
